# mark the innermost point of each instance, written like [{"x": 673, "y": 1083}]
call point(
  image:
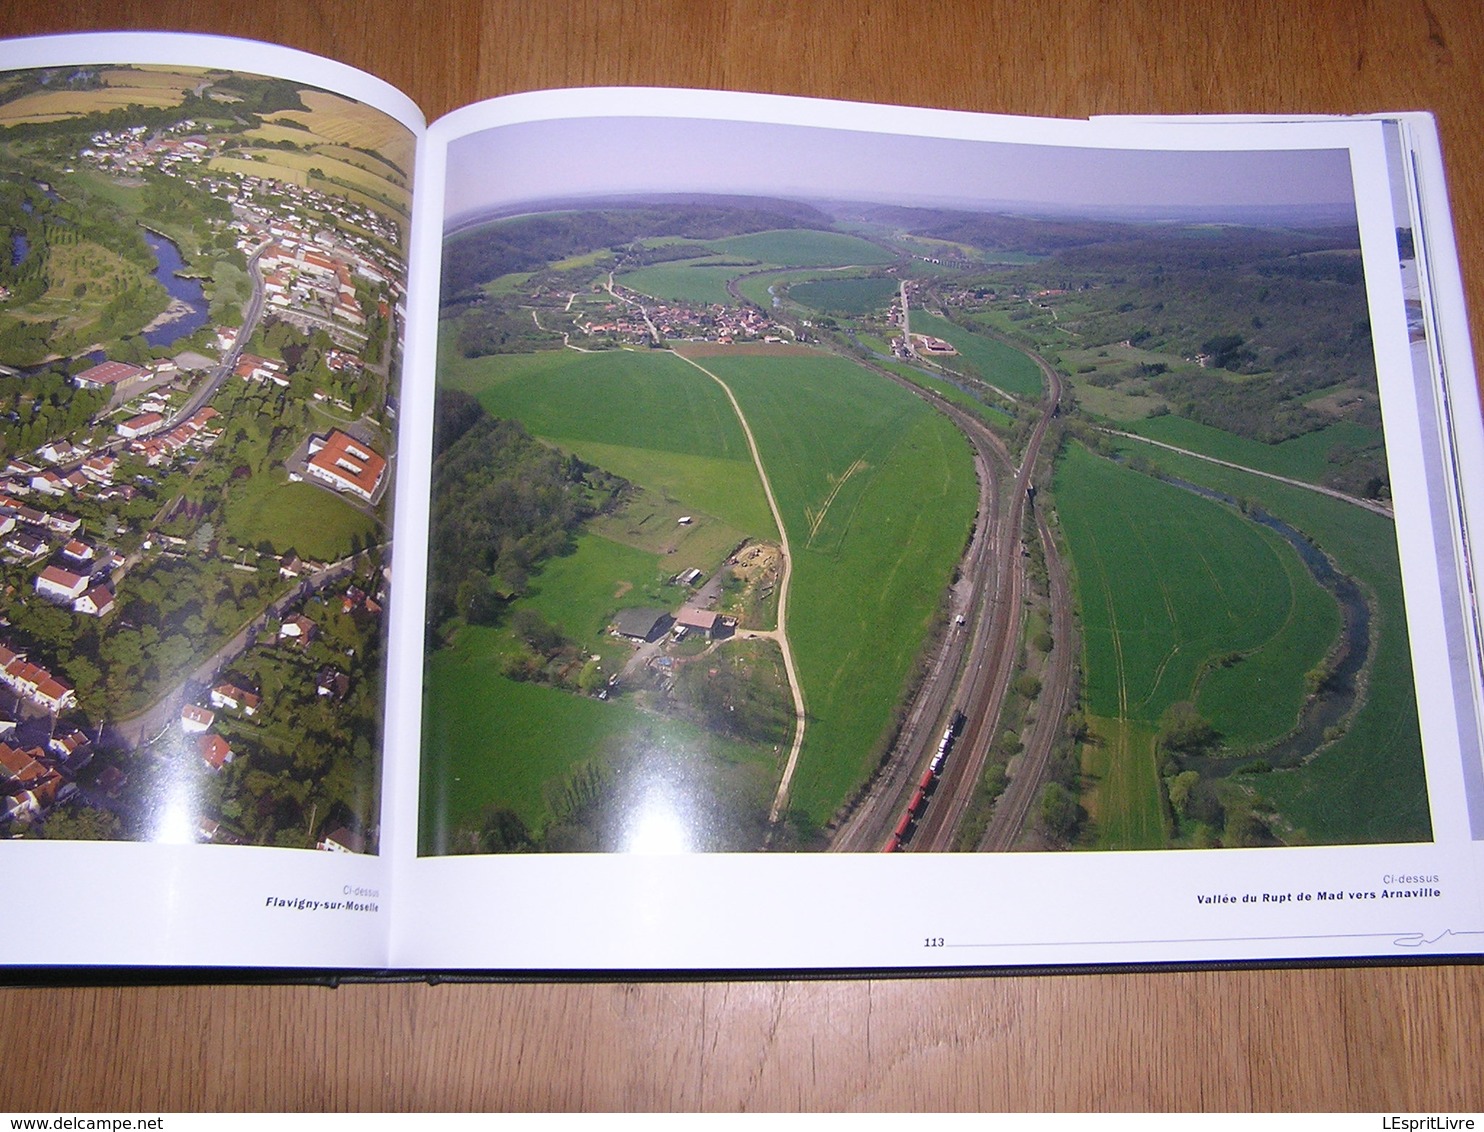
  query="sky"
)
[{"x": 506, "y": 167}]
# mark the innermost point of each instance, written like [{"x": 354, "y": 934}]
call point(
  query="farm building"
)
[
  {"x": 641, "y": 624},
  {"x": 706, "y": 621}
]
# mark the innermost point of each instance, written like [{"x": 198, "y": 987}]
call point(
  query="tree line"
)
[{"x": 501, "y": 503}]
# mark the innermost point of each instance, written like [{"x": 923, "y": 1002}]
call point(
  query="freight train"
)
[{"x": 925, "y": 785}]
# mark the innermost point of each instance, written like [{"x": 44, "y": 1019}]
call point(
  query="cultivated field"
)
[
  {"x": 1170, "y": 583},
  {"x": 850, "y": 297},
  {"x": 695, "y": 282},
  {"x": 650, "y": 418},
  {"x": 803, "y": 247},
  {"x": 354, "y": 124},
  {"x": 1182, "y": 599},
  {"x": 1368, "y": 784},
  {"x": 877, "y": 492},
  {"x": 58, "y": 105},
  {"x": 320, "y": 171}
]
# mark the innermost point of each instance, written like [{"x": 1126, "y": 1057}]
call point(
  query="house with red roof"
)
[
  {"x": 58, "y": 584},
  {"x": 97, "y": 601},
  {"x": 235, "y": 698},
  {"x": 195, "y": 719},
  {"x": 214, "y": 751},
  {"x": 138, "y": 426}
]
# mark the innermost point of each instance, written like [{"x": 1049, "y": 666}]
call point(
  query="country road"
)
[{"x": 780, "y": 799}]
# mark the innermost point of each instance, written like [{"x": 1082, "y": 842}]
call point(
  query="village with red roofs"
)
[{"x": 194, "y": 550}]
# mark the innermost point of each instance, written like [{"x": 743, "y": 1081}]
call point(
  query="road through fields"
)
[{"x": 780, "y": 798}]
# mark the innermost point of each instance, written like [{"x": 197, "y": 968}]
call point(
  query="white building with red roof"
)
[
  {"x": 195, "y": 719},
  {"x": 238, "y": 699},
  {"x": 346, "y": 464},
  {"x": 95, "y": 602},
  {"x": 141, "y": 425},
  {"x": 61, "y": 585}
]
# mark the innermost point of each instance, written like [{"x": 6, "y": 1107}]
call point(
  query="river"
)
[
  {"x": 188, "y": 309},
  {"x": 1337, "y": 699}
]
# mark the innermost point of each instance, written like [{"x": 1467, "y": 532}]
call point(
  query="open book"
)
[{"x": 676, "y": 530}]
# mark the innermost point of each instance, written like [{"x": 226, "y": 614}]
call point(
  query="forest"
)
[
  {"x": 488, "y": 251},
  {"x": 502, "y": 502}
]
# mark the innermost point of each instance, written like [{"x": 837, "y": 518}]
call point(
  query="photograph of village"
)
[
  {"x": 200, "y": 304},
  {"x": 801, "y": 489}
]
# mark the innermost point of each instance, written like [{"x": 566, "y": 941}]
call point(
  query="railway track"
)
[{"x": 920, "y": 797}]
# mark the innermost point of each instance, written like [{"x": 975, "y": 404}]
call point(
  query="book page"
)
[
  {"x": 866, "y": 537},
  {"x": 201, "y": 308}
]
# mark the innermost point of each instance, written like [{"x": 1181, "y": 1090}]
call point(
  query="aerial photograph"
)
[
  {"x": 804, "y": 489},
  {"x": 200, "y": 302}
]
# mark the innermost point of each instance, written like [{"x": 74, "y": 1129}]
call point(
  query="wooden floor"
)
[{"x": 1385, "y": 1039}]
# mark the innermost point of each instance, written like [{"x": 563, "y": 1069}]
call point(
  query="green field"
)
[
  {"x": 648, "y": 417},
  {"x": 950, "y": 392},
  {"x": 1223, "y": 614},
  {"x": 1369, "y": 784},
  {"x": 989, "y": 359},
  {"x": 803, "y": 247},
  {"x": 317, "y": 523},
  {"x": 850, "y": 297},
  {"x": 692, "y": 282},
  {"x": 1127, "y": 806},
  {"x": 877, "y": 492},
  {"x": 579, "y": 592},
  {"x": 1302, "y": 458},
  {"x": 1209, "y": 584},
  {"x": 489, "y": 741}
]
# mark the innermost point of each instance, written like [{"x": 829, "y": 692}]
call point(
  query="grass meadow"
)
[
  {"x": 950, "y": 392},
  {"x": 299, "y": 516},
  {"x": 993, "y": 361},
  {"x": 489, "y": 741},
  {"x": 649, "y": 417},
  {"x": 1301, "y": 458}
]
